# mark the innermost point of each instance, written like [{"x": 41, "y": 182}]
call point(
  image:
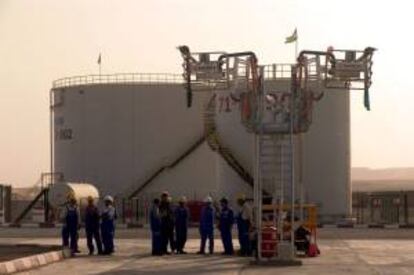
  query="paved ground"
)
[
  {"x": 323, "y": 233},
  {"x": 344, "y": 251}
]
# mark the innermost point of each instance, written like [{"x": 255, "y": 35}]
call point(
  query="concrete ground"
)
[{"x": 344, "y": 251}]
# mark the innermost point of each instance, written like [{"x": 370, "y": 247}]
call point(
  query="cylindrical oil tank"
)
[
  {"x": 121, "y": 131},
  {"x": 323, "y": 169},
  {"x": 59, "y": 192}
]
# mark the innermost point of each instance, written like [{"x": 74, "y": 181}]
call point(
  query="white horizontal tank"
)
[{"x": 59, "y": 192}]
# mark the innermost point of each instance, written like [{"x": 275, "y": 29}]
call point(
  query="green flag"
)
[{"x": 292, "y": 38}]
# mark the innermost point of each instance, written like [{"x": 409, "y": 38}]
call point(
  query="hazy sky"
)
[{"x": 44, "y": 40}]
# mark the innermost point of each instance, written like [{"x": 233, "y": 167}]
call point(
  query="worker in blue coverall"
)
[
  {"x": 155, "y": 223},
  {"x": 226, "y": 220},
  {"x": 207, "y": 226},
  {"x": 108, "y": 217},
  {"x": 92, "y": 218},
  {"x": 167, "y": 224},
  {"x": 244, "y": 223},
  {"x": 71, "y": 224},
  {"x": 182, "y": 215}
]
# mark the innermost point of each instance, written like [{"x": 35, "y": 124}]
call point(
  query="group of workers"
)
[
  {"x": 99, "y": 225},
  {"x": 165, "y": 220},
  {"x": 169, "y": 226}
]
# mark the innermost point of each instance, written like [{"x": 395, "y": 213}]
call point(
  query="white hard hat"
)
[
  {"x": 108, "y": 198},
  {"x": 208, "y": 199},
  {"x": 183, "y": 199}
]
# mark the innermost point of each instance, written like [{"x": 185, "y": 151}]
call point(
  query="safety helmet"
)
[
  {"x": 109, "y": 198},
  {"x": 183, "y": 199},
  {"x": 208, "y": 199}
]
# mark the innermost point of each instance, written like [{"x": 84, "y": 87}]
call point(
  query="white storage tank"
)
[
  {"x": 59, "y": 192},
  {"x": 121, "y": 131}
]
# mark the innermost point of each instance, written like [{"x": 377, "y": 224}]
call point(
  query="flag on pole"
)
[
  {"x": 292, "y": 38},
  {"x": 99, "y": 59}
]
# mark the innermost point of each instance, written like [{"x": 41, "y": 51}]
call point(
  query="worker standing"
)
[
  {"x": 182, "y": 216},
  {"x": 207, "y": 226},
  {"x": 244, "y": 223},
  {"x": 71, "y": 224},
  {"x": 92, "y": 226},
  {"x": 226, "y": 220},
  {"x": 167, "y": 224},
  {"x": 108, "y": 225},
  {"x": 155, "y": 223}
]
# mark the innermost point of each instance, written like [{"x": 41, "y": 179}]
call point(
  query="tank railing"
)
[
  {"x": 278, "y": 71},
  {"x": 284, "y": 71},
  {"x": 120, "y": 78},
  {"x": 272, "y": 71}
]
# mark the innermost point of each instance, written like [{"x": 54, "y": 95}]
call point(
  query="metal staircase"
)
[
  {"x": 41, "y": 189},
  {"x": 147, "y": 181},
  {"x": 213, "y": 141}
]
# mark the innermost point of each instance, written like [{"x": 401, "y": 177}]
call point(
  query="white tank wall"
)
[
  {"x": 327, "y": 156},
  {"x": 326, "y": 162},
  {"x": 203, "y": 173},
  {"x": 121, "y": 134}
]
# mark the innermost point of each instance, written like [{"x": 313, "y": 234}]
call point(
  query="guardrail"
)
[
  {"x": 121, "y": 78},
  {"x": 272, "y": 71},
  {"x": 278, "y": 71}
]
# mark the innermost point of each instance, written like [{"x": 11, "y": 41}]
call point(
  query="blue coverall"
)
[
  {"x": 207, "y": 228},
  {"x": 243, "y": 230},
  {"x": 92, "y": 228},
  {"x": 155, "y": 223},
  {"x": 108, "y": 229},
  {"x": 167, "y": 227},
  {"x": 181, "y": 214},
  {"x": 70, "y": 227},
  {"x": 225, "y": 226}
]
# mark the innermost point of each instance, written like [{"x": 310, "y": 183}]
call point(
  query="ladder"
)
[
  {"x": 274, "y": 162},
  {"x": 274, "y": 185},
  {"x": 275, "y": 154}
]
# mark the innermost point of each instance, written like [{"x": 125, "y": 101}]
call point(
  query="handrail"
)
[
  {"x": 30, "y": 206},
  {"x": 181, "y": 157},
  {"x": 277, "y": 71},
  {"x": 119, "y": 78},
  {"x": 272, "y": 71}
]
